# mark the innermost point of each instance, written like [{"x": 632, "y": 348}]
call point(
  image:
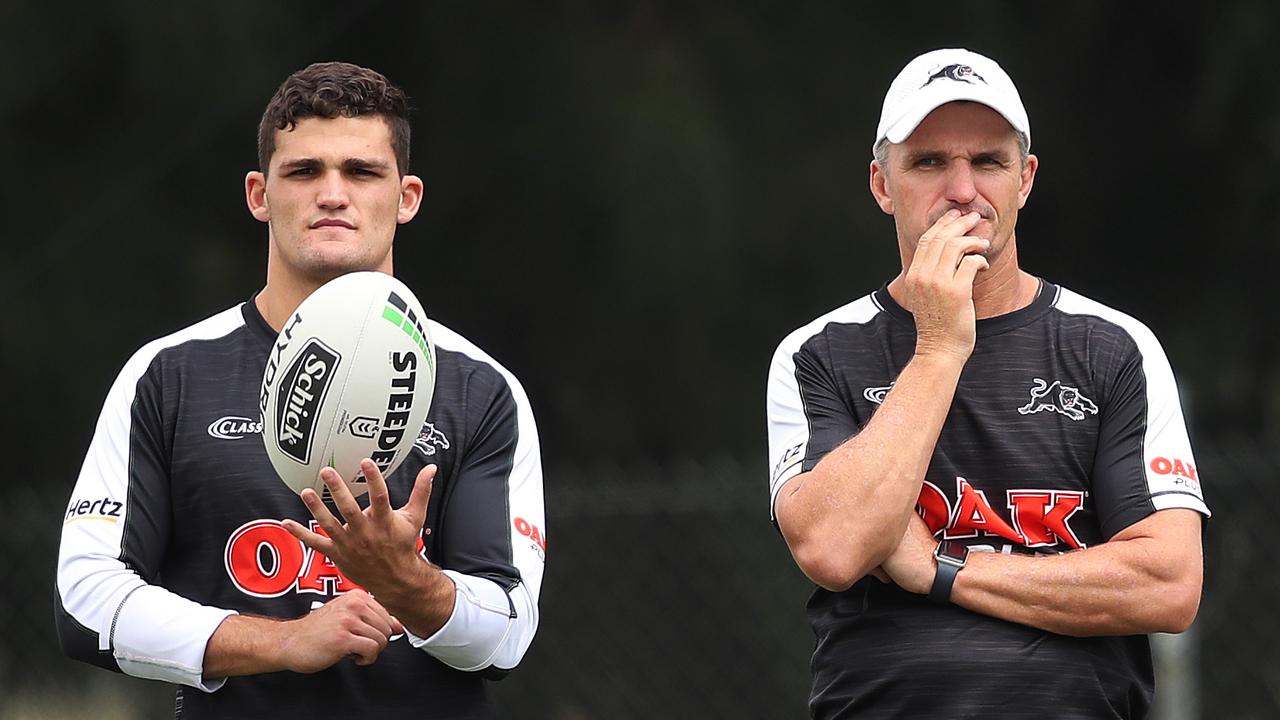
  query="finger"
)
[
  {"x": 342, "y": 498},
  {"x": 363, "y": 650},
  {"x": 880, "y": 575},
  {"x": 926, "y": 246},
  {"x": 382, "y": 611},
  {"x": 416, "y": 507},
  {"x": 374, "y": 614},
  {"x": 363, "y": 628},
  {"x": 952, "y": 224},
  {"x": 312, "y": 500},
  {"x": 956, "y": 249},
  {"x": 379, "y": 495},
  {"x": 315, "y": 541},
  {"x": 970, "y": 266}
]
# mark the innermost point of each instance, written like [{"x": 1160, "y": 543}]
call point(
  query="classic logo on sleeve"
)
[{"x": 1058, "y": 398}]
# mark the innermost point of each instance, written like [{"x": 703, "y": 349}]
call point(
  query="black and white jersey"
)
[
  {"x": 1065, "y": 429},
  {"x": 174, "y": 524}
]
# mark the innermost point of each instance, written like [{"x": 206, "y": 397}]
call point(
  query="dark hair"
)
[{"x": 335, "y": 89}]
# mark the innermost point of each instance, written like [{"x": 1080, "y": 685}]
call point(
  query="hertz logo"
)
[
  {"x": 398, "y": 313},
  {"x": 302, "y": 392}
]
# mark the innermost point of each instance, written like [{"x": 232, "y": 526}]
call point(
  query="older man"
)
[{"x": 987, "y": 475}]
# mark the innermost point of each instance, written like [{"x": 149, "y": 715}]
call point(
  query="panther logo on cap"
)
[{"x": 957, "y": 72}]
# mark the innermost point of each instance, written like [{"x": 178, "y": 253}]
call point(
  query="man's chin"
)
[{"x": 322, "y": 270}]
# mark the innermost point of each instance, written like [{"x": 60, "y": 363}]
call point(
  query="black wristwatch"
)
[{"x": 951, "y": 557}]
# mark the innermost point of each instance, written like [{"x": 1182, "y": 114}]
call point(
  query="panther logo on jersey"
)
[
  {"x": 1059, "y": 398},
  {"x": 429, "y": 439}
]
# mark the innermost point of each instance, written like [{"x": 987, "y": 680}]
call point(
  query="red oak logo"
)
[
  {"x": 264, "y": 560},
  {"x": 1040, "y": 517},
  {"x": 531, "y": 531},
  {"x": 1165, "y": 466}
]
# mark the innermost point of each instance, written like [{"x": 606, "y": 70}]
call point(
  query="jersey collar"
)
[{"x": 1046, "y": 296}]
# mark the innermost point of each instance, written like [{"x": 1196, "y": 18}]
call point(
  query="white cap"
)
[{"x": 942, "y": 76}]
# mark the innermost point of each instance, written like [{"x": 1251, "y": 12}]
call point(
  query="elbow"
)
[
  {"x": 1180, "y": 605},
  {"x": 835, "y": 566},
  {"x": 77, "y": 641}
]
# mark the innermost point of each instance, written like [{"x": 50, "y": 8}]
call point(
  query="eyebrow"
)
[
  {"x": 348, "y": 164},
  {"x": 998, "y": 154},
  {"x": 917, "y": 155},
  {"x": 363, "y": 164}
]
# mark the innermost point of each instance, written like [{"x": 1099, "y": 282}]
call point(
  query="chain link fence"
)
[{"x": 668, "y": 594}]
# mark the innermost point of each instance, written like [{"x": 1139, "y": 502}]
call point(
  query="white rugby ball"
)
[{"x": 350, "y": 377}]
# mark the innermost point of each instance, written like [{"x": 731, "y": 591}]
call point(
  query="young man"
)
[
  {"x": 185, "y": 559},
  {"x": 987, "y": 475}
]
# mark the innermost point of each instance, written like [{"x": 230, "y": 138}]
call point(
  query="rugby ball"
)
[{"x": 350, "y": 377}]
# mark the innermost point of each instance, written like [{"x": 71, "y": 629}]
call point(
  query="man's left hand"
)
[{"x": 376, "y": 547}]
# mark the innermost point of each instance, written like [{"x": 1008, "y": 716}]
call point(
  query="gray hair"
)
[{"x": 881, "y": 150}]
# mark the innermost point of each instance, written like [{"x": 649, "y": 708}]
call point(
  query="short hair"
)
[{"x": 335, "y": 89}]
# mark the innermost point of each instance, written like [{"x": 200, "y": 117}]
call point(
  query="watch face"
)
[{"x": 953, "y": 552}]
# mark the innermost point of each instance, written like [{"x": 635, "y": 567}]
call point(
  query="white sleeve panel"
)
[
  {"x": 163, "y": 636},
  {"x": 788, "y": 418},
  {"x": 528, "y": 521},
  {"x": 490, "y": 625},
  {"x": 788, "y": 426},
  {"x": 1172, "y": 478},
  {"x": 482, "y": 631},
  {"x": 1169, "y": 466},
  {"x": 149, "y": 631}
]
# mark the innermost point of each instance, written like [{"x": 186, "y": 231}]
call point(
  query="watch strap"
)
[
  {"x": 949, "y": 558},
  {"x": 942, "y": 582}
]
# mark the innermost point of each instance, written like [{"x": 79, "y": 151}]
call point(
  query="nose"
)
[
  {"x": 960, "y": 186},
  {"x": 332, "y": 192}
]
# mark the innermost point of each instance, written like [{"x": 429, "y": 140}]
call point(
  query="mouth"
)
[
  {"x": 332, "y": 223},
  {"x": 986, "y": 214}
]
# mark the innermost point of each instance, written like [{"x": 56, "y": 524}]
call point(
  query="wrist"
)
[
  {"x": 277, "y": 641},
  {"x": 943, "y": 355},
  {"x": 420, "y": 583},
  {"x": 950, "y": 558}
]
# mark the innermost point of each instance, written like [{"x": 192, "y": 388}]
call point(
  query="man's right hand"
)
[
  {"x": 939, "y": 285},
  {"x": 353, "y": 625}
]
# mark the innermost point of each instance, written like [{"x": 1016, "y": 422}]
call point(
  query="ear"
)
[
  {"x": 880, "y": 188},
  {"x": 1028, "y": 179},
  {"x": 255, "y": 195},
  {"x": 410, "y": 198}
]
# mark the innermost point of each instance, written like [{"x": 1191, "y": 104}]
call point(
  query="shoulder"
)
[
  {"x": 458, "y": 355},
  {"x": 215, "y": 327},
  {"x": 1106, "y": 320},
  {"x": 860, "y": 312}
]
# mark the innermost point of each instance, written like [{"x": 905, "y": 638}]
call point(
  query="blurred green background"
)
[{"x": 629, "y": 204}]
